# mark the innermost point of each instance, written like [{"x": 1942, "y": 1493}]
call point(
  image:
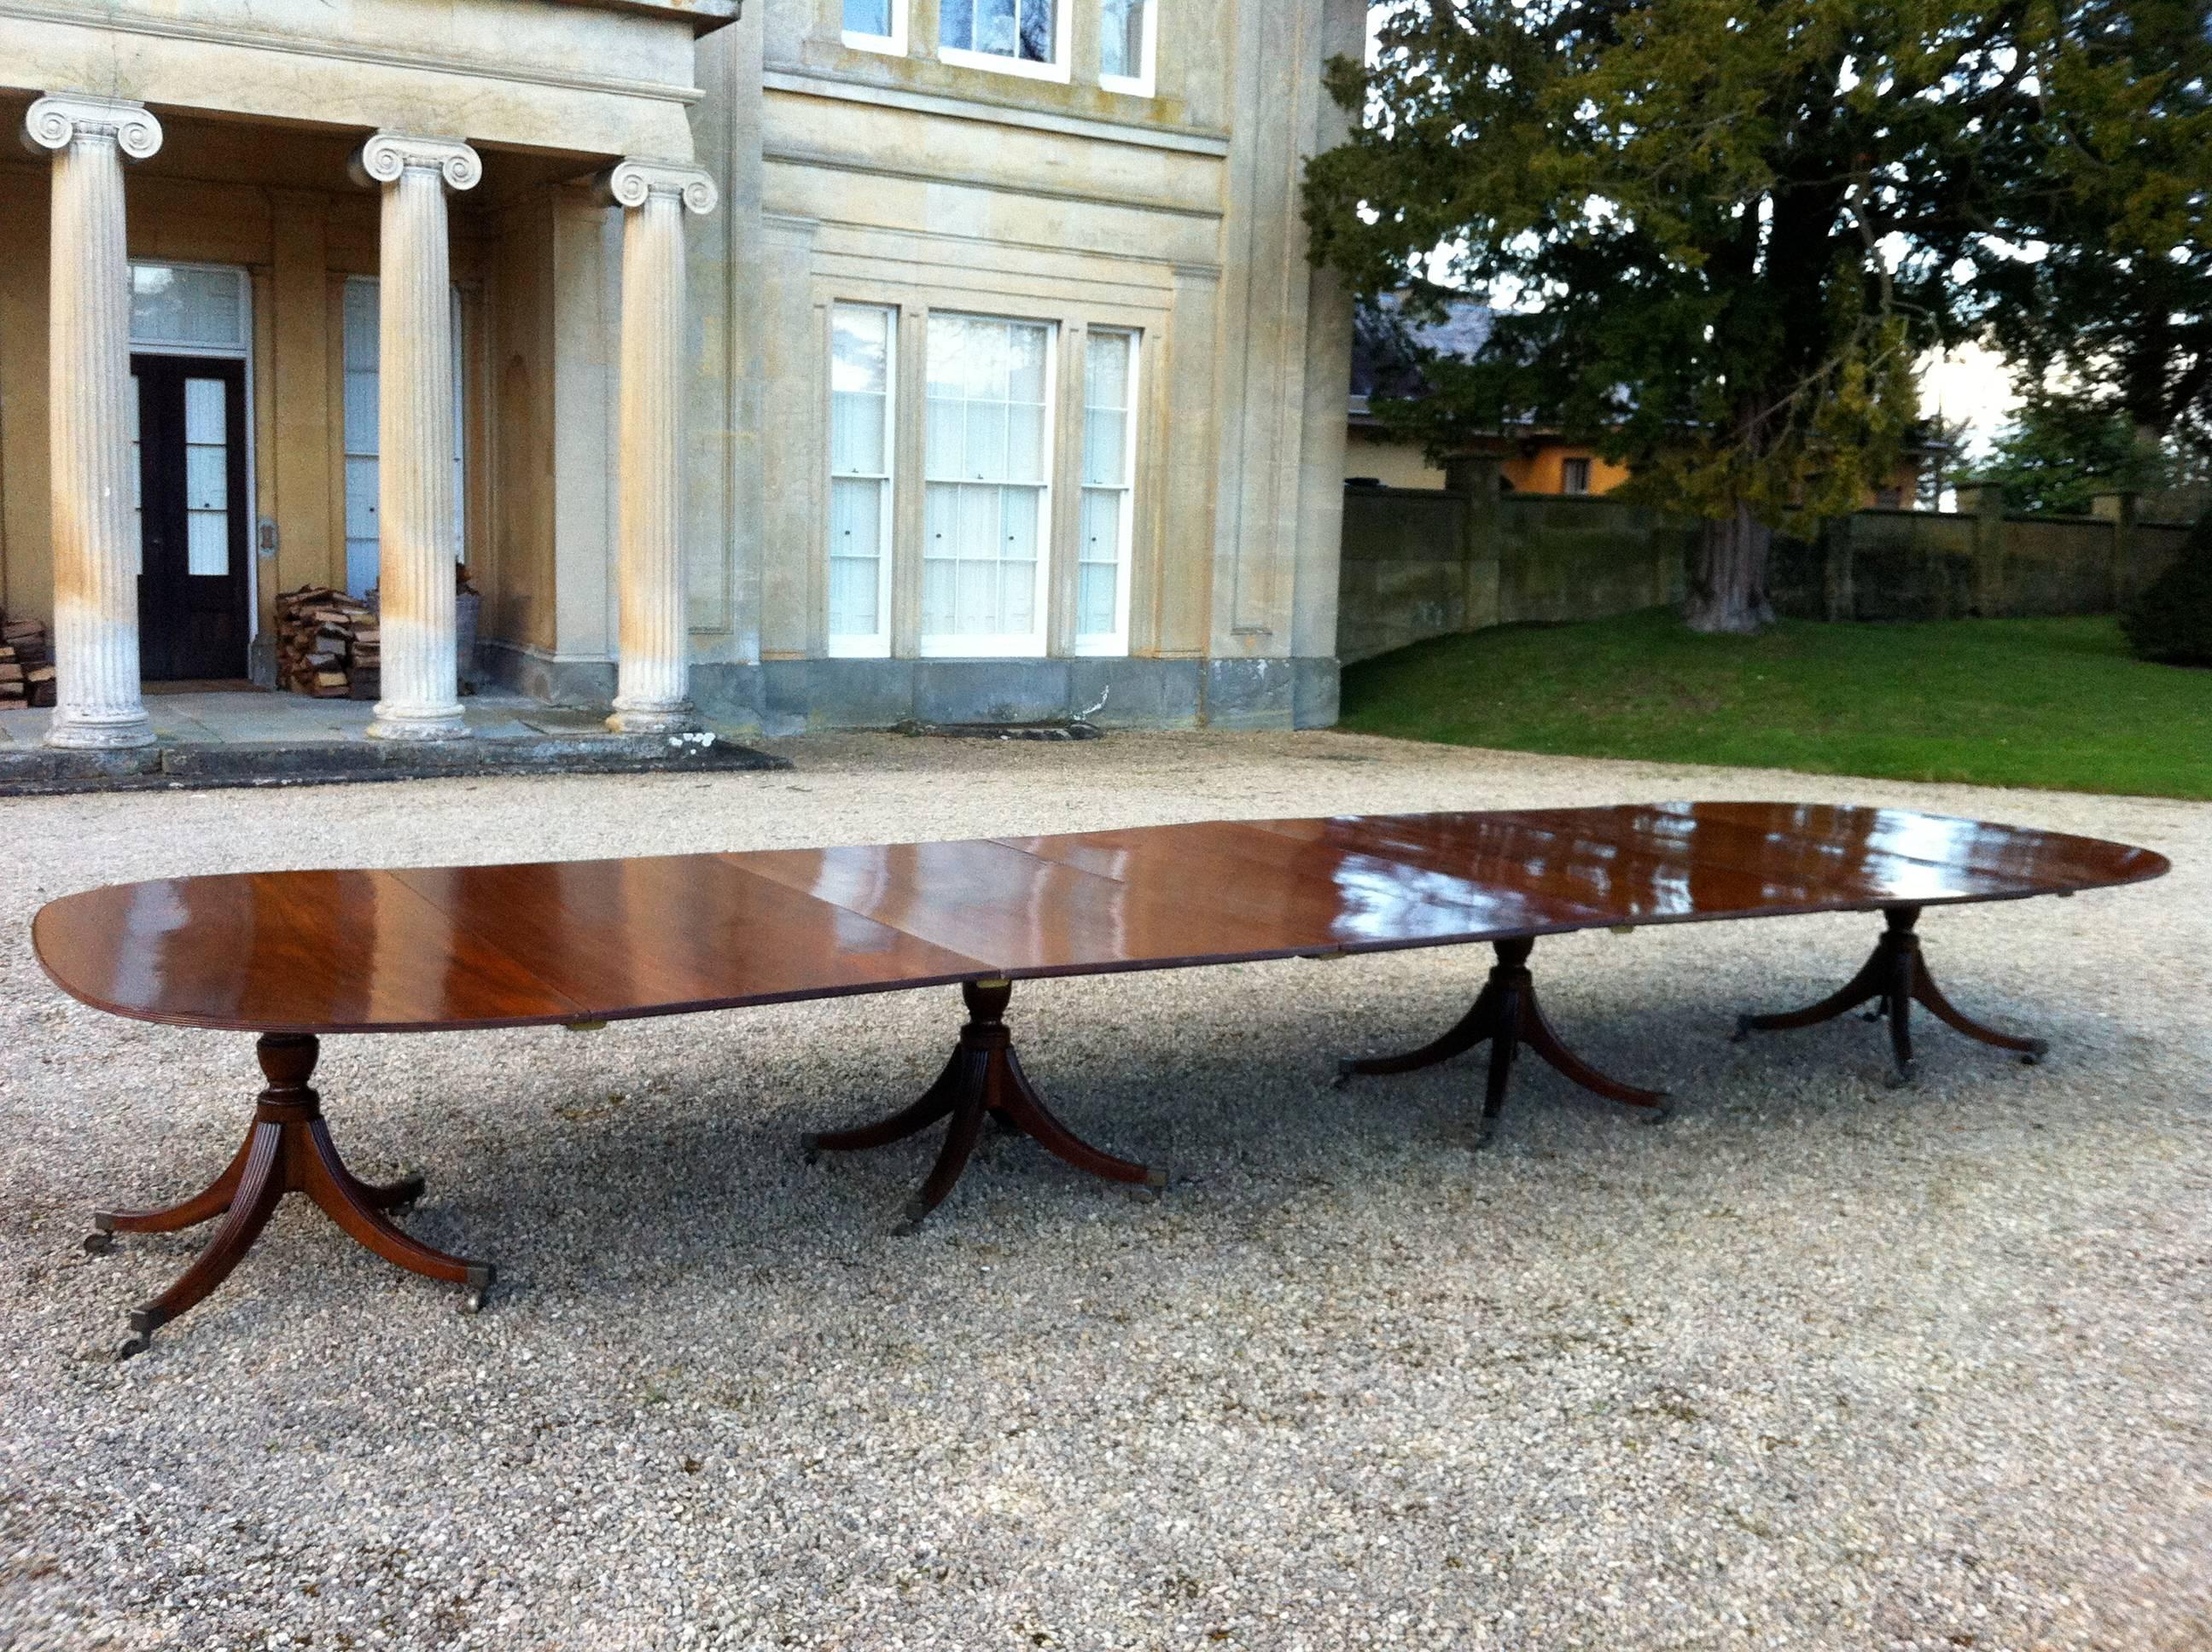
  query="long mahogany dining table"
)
[{"x": 294, "y": 957}]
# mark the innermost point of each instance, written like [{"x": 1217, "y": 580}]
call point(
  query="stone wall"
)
[
  {"x": 1979, "y": 563},
  {"x": 1423, "y": 562},
  {"x": 1406, "y": 570}
]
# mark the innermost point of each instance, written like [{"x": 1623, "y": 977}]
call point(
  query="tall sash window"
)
[
  {"x": 988, "y": 494},
  {"x": 1109, "y": 483},
  {"x": 362, "y": 438},
  {"x": 862, "y": 385}
]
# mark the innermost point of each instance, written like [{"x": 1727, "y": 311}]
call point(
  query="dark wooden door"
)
[{"x": 193, "y": 512}]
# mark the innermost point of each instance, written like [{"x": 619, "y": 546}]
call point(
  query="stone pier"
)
[
  {"x": 419, "y": 547},
  {"x": 95, "y": 534},
  {"x": 652, "y": 690}
]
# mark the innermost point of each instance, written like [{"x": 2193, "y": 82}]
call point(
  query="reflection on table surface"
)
[{"x": 454, "y": 947}]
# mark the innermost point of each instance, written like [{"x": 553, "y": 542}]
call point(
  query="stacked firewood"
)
[
  {"x": 328, "y": 644},
  {"x": 26, "y": 663}
]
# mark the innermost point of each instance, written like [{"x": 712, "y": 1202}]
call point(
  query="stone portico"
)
[
  {"x": 758, "y": 372},
  {"x": 579, "y": 107}
]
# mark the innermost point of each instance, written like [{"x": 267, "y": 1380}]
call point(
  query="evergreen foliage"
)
[
  {"x": 2060, "y": 452},
  {"x": 2170, "y": 622},
  {"x": 2100, "y": 277}
]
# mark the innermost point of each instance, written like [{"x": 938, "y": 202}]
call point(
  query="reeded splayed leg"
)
[
  {"x": 1894, "y": 979},
  {"x": 288, "y": 1149},
  {"x": 202, "y": 1206},
  {"x": 217, "y": 1197},
  {"x": 983, "y": 1082},
  {"x": 1469, "y": 1030},
  {"x": 939, "y": 1099},
  {"x": 1507, "y": 1015}
]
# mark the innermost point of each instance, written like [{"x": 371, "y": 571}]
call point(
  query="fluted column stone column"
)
[
  {"x": 95, "y": 556},
  {"x": 652, "y": 691},
  {"x": 418, "y": 547}
]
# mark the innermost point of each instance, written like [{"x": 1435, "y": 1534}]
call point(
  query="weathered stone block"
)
[
  {"x": 1250, "y": 694},
  {"x": 1137, "y": 693},
  {"x": 1314, "y": 693},
  {"x": 990, "y": 690}
]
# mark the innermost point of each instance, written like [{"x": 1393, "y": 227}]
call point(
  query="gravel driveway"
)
[{"x": 1814, "y": 1365}]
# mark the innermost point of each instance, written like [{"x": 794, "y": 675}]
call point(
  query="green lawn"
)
[{"x": 2052, "y": 703}]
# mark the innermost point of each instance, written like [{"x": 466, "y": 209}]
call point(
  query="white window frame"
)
[
  {"x": 241, "y": 351},
  {"x": 891, "y": 45},
  {"x": 347, "y": 451},
  {"x": 1035, "y": 643},
  {"x": 1001, "y": 64},
  {"x": 460, "y": 432},
  {"x": 1116, "y": 642},
  {"x": 877, "y": 644},
  {"x": 1146, "y": 83},
  {"x": 1567, "y": 474}
]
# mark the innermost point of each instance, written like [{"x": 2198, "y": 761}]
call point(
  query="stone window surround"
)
[{"x": 911, "y": 305}]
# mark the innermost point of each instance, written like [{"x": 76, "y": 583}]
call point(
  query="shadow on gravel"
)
[{"x": 596, "y": 1197}]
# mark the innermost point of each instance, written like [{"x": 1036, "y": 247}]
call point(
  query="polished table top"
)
[{"x": 568, "y": 941}]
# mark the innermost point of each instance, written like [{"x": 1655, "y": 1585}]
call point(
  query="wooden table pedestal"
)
[
  {"x": 288, "y": 1149},
  {"x": 1507, "y": 1015},
  {"x": 1892, "y": 979},
  {"x": 983, "y": 1079}
]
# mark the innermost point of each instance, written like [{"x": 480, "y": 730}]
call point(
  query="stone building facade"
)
[{"x": 830, "y": 364}]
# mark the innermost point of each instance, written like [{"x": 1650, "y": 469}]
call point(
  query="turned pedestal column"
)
[
  {"x": 88, "y": 419},
  {"x": 652, "y": 691},
  {"x": 418, "y": 548}
]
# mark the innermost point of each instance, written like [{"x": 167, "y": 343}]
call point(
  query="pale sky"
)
[{"x": 1971, "y": 383}]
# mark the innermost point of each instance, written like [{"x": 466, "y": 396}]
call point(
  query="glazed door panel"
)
[{"x": 192, "y": 514}]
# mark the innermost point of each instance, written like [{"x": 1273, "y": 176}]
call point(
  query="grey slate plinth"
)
[
  {"x": 180, "y": 766},
  {"x": 990, "y": 690},
  {"x": 781, "y": 697}
]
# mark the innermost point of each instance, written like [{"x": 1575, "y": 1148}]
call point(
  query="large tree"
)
[
  {"x": 2101, "y": 284},
  {"x": 1719, "y": 234}
]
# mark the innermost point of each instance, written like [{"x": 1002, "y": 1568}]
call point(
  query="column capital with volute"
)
[
  {"x": 385, "y": 156},
  {"x": 61, "y": 118},
  {"x": 632, "y": 182}
]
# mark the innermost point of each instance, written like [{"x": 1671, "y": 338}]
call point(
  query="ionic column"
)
[
  {"x": 654, "y": 688},
  {"x": 88, "y": 418},
  {"x": 417, "y": 549}
]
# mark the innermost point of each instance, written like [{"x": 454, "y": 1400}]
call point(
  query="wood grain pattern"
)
[
  {"x": 454, "y": 948},
  {"x": 667, "y": 934}
]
